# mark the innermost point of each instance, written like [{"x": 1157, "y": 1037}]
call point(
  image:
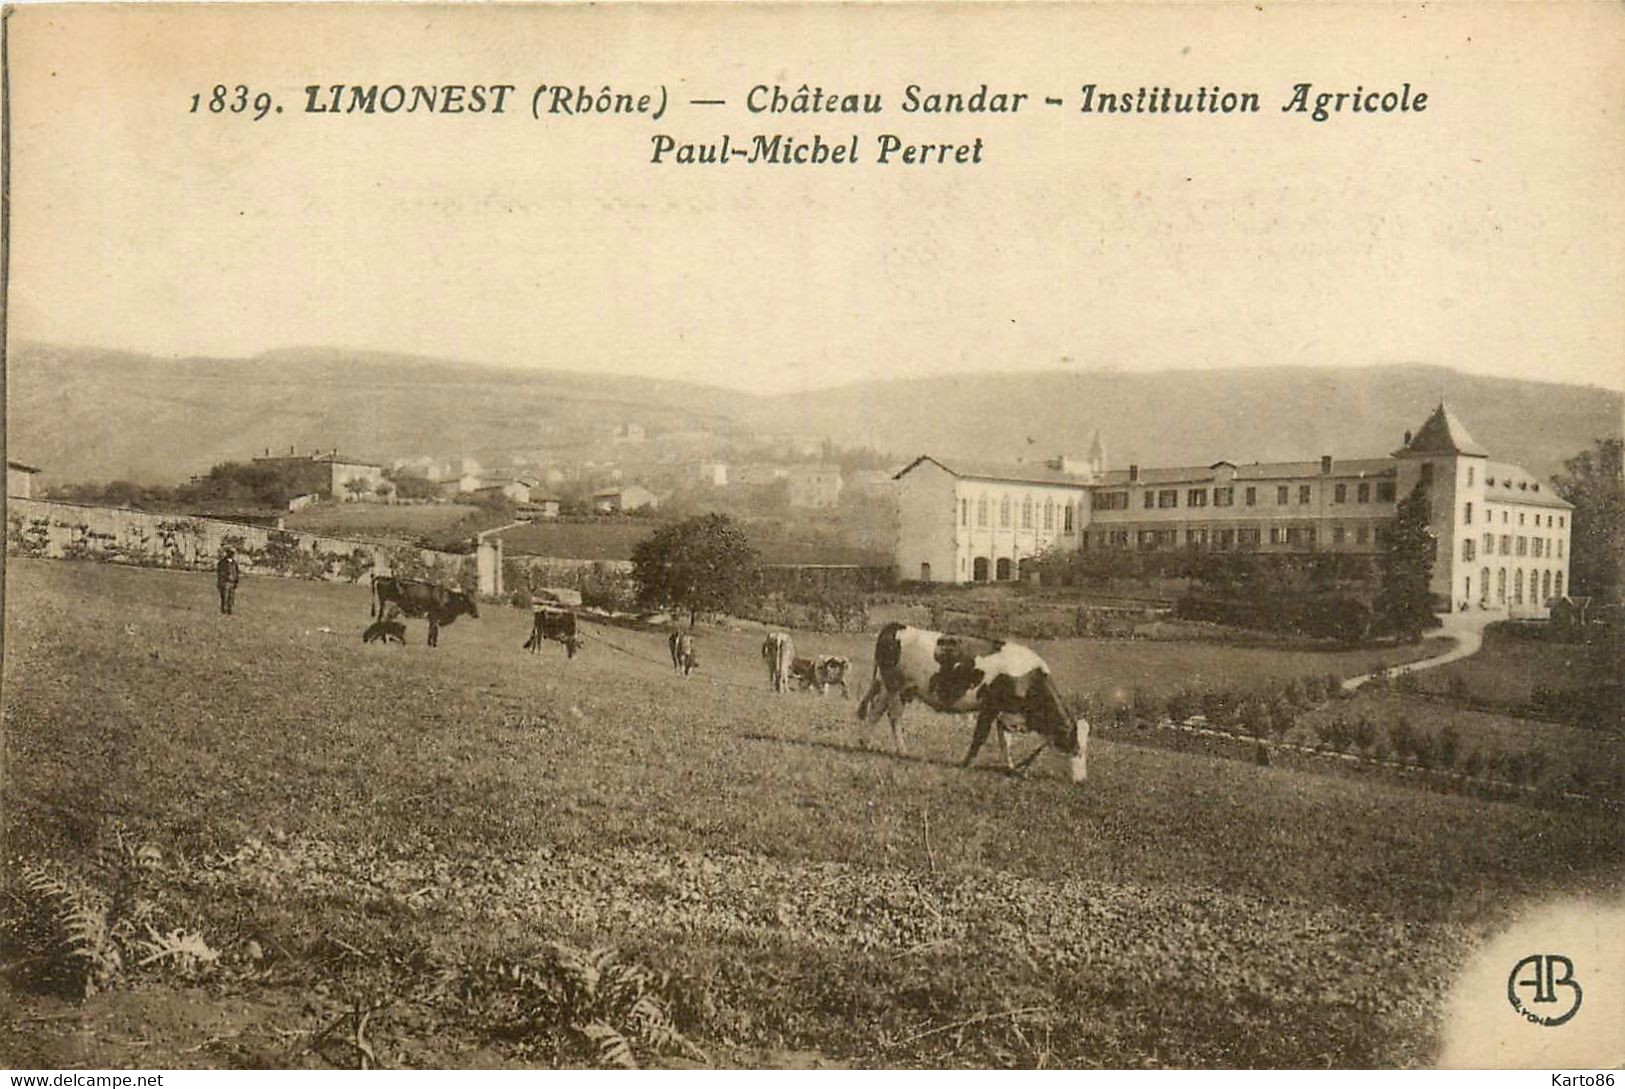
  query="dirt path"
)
[{"x": 1465, "y": 629}]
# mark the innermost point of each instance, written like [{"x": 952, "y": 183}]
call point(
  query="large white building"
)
[{"x": 1503, "y": 538}]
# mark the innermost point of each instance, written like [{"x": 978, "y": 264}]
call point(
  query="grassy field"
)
[
  {"x": 1505, "y": 673},
  {"x": 405, "y": 523},
  {"x": 348, "y": 824}
]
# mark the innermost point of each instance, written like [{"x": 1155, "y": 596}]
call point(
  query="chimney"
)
[
  {"x": 290, "y": 449},
  {"x": 1407, "y": 436},
  {"x": 1325, "y": 465},
  {"x": 1133, "y": 474}
]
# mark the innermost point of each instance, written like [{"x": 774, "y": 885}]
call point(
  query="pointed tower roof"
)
[
  {"x": 1442, "y": 434},
  {"x": 1097, "y": 449}
]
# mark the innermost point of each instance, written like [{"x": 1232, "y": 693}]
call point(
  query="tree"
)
[
  {"x": 1592, "y": 480},
  {"x": 701, "y": 564},
  {"x": 1407, "y": 567},
  {"x": 358, "y": 486}
]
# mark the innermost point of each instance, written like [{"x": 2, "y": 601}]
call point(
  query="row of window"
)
[
  {"x": 1028, "y": 510},
  {"x": 1166, "y": 498},
  {"x": 1246, "y": 538},
  {"x": 1538, "y": 547},
  {"x": 1489, "y": 516},
  {"x": 1543, "y": 586}
]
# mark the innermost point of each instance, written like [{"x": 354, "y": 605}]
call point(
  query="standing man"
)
[{"x": 226, "y": 575}]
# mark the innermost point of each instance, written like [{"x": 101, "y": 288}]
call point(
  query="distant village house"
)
[
  {"x": 327, "y": 473},
  {"x": 620, "y": 500}
]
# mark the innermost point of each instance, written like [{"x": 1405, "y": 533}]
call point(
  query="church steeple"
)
[{"x": 1097, "y": 455}]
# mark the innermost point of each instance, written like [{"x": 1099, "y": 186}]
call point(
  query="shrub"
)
[
  {"x": 1181, "y": 705},
  {"x": 1293, "y": 694},
  {"x": 1472, "y": 764},
  {"x": 1282, "y": 717},
  {"x": 1457, "y": 690},
  {"x": 1449, "y": 747},
  {"x": 1402, "y": 737},
  {"x": 1334, "y": 685},
  {"x": 1364, "y": 733},
  {"x": 1407, "y": 683}
]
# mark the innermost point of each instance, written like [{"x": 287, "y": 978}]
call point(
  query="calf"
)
[
  {"x": 683, "y": 657},
  {"x": 821, "y": 672},
  {"x": 387, "y": 630},
  {"x": 999, "y": 681},
  {"x": 558, "y": 625}
]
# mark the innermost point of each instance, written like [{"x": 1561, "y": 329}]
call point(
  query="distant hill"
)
[
  {"x": 1199, "y": 417},
  {"x": 90, "y": 415},
  {"x": 94, "y": 415}
]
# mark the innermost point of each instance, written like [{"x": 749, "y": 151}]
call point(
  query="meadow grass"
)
[{"x": 810, "y": 893}]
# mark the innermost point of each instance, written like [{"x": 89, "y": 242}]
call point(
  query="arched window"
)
[
  {"x": 964, "y": 512},
  {"x": 1066, "y": 514},
  {"x": 1501, "y": 585},
  {"x": 981, "y": 511},
  {"x": 1004, "y": 569},
  {"x": 1049, "y": 513},
  {"x": 1557, "y": 584},
  {"x": 979, "y": 569},
  {"x": 1027, "y": 513},
  {"x": 1546, "y": 586},
  {"x": 1004, "y": 512},
  {"x": 1484, "y": 585},
  {"x": 1517, "y": 587}
]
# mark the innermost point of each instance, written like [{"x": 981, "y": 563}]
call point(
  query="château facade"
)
[{"x": 1503, "y": 537}]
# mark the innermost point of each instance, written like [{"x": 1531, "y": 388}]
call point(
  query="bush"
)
[
  {"x": 1472, "y": 764},
  {"x": 1449, "y": 747},
  {"x": 1402, "y": 738},
  {"x": 1181, "y": 705},
  {"x": 1364, "y": 733},
  {"x": 1282, "y": 716}
]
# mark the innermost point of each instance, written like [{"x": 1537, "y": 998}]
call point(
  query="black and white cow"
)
[
  {"x": 414, "y": 597},
  {"x": 956, "y": 673},
  {"x": 558, "y": 625}
]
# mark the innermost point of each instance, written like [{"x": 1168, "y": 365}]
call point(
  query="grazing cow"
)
[
  {"x": 960, "y": 673},
  {"x": 683, "y": 657},
  {"x": 558, "y": 625},
  {"x": 823, "y": 671},
  {"x": 779, "y": 654},
  {"x": 384, "y": 631},
  {"x": 417, "y": 598}
]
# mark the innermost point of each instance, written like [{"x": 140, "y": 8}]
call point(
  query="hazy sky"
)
[{"x": 1486, "y": 233}]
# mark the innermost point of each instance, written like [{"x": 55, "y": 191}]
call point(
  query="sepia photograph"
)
[{"x": 813, "y": 537}]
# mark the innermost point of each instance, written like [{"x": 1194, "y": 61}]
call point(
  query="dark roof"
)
[
  {"x": 1442, "y": 434},
  {"x": 1018, "y": 473},
  {"x": 1258, "y": 470},
  {"x": 1515, "y": 484},
  {"x": 329, "y": 457}
]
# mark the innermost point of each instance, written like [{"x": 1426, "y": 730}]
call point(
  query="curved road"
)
[{"x": 1467, "y": 629}]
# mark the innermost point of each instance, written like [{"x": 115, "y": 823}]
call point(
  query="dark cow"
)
[
  {"x": 999, "y": 681},
  {"x": 779, "y": 654},
  {"x": 683, "y": 657},
  {"x": 821, "y": 672},
  {"x": 384, "y": 631},
  {"x": 416, "y": 598},
  {"x": 558, "y": 625}
]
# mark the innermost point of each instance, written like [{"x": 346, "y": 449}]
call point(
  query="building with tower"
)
[{"x": 1502, "y": 537}]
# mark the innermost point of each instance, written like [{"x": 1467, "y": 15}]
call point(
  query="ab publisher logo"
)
[{"x": 1542, "y": 988}]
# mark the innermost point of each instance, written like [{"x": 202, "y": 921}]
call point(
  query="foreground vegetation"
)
[{"x": 473, "y": 856}]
